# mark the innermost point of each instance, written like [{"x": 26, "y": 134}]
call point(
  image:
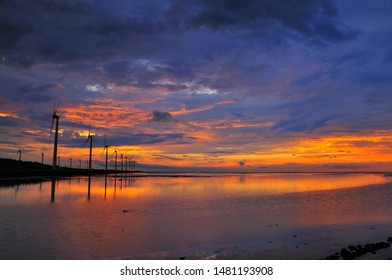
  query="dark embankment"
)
[{"x": 14, "y": 171}]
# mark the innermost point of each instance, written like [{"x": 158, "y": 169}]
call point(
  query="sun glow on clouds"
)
[
  {"x": 107, "y": 115},
  {"x": 9, "y": 115},
  {"x": 350, "y": 148},
  {"x": 185, "y": 111},
  {"x": 104, "y": 114},
  {"x": 200, "y": 84}
]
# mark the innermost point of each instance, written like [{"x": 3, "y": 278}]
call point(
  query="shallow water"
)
[{"x": 148, "y": 217}]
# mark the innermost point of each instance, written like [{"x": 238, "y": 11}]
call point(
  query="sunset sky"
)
[{"x": 200, "y": 85}]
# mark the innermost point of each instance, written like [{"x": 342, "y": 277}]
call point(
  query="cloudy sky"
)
[{"x": 257, "y": 85}]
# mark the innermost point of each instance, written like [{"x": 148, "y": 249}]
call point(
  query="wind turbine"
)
[
  {"x": 42, "y": 157},
  {"x": 115, "y": 162},
  {"x": 126, "y": 163},
  {"x": 90, "y": 137},
  {"x": 56, "y": 134},
  {"x": 107, "y": 149},
  {"x": 59, "y": 160},
  {"x": 122, "y": 161},
  {"x": 132, "y": 163},
  {"x": 20, "y": 154},
  {"x": 70, "y": 163}
]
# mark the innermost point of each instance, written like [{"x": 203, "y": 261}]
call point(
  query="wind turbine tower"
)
[
  {"x": 20, "y": 154},
  {"x": 122, "y": 161},
  {"x": 126, "y": 163},
  {"x": 106, "y": 162},
  {"x": 90, "y": 137},
  {"x": 115, "y": 161},
  {"x": 56, "y": 134}
]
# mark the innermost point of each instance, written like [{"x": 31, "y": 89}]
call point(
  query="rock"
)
[
  {"x": 346, "y": 255},
  {"x": 383, "y": 245},
  {"x": 369, "y": 248},
  {"x": 356, "y": 251},
  {"x": 335, "y": 256},
  {"x": 352, "y": 248}
]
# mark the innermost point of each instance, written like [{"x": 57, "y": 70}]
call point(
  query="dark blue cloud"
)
[
  {"x": 317, "y": 20},
  {"x": 348, "y": 166},
  {"x": 9, "y": 122},
  {"x": 313, "y": 77},
  {"x": 164, "y": 117},
  {"x": 70, "y": 30},
  {"x": 129, "y": 139},
  {"x": 242, "y": 163},
  {"x": 157, "y": 156}
]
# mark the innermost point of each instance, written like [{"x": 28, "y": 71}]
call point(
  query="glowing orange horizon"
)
[{"x": 204, "y": 146}]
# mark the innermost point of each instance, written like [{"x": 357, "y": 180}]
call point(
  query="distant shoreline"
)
[{"x": 14, "y": 171}]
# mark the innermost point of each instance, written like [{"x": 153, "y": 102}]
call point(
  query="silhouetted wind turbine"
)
[
  {"x": 56, "y": 134},
  {"x": 20, "y": 154},
  {"x": 106, "y": 147},
  {"x": 126, "y": 163},
  {"x": 42, "y": 158},
  {"x": 115, "y": 161},
  {"x": 90, "y": 137},
  {"x": 59, "y": 160},
  {"x": 132, "y": 163},
  {"x": 70, "y": 163},
  {"x": 122, "y": 161}
]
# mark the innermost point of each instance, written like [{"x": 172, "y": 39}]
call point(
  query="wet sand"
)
[{"x": 309, "y": 244}]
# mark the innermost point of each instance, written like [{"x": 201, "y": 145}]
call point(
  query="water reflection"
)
[
  {"x": 88, "y": 187},
  {"x": 196, "y": 186},
  {"x": 53, "y": 190},
  {"x": 76, "y": 186},
  {"x": 150, "y": 214}
]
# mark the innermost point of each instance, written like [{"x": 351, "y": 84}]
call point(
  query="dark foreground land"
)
[{"x": 13, "y": 171}]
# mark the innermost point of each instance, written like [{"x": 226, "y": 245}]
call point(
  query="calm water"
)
[{"x": 150, "y": 216}]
